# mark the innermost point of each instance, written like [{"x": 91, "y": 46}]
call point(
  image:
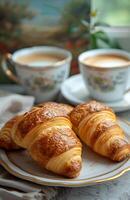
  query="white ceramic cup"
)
[
  {"x": 105, "y": 83},
  {"x": 43, "y": 82}
]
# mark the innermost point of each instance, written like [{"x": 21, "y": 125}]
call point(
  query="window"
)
[{"x": 113, "y": 12}]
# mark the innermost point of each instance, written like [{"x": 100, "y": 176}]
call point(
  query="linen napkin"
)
[
  {"x": 13, "y": 104},
  {"x": 11, "y": 187}
]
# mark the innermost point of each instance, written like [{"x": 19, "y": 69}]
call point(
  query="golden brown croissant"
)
[
  {"x": 46, "y": 132},
  {"x": 96, "y": 125}
]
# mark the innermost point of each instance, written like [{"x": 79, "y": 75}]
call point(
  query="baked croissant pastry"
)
[
  {"x": 96, "y": 125},
  {"x": 6, "y": 140},
  {"x": 46, "y": 132}
]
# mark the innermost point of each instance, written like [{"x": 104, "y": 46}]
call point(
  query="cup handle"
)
[{"x": 6, "y": 61}]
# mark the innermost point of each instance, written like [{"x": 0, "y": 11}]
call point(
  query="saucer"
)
[{"x": 74, "y": 90}]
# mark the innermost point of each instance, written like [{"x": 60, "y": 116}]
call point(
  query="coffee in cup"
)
[
  {"x": 40, "y": 70},
  {"x": 106, "y": 60},
  {"x": 105, "y": 73},
  {"x": 39, "y": 59}
]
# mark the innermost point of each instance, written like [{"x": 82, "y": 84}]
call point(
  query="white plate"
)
[
  {"x": 95, "y": 169},
  {"x": 74, "y": 90}
]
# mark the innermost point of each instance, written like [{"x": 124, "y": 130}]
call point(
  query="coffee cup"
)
[
  {"x": 105, "y": 73},
  {"x": 40, "y": 70}
]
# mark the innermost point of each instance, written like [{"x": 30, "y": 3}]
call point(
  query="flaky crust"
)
[
  {"x": 46, "y": 132},
  {"x": 57, "y": 142},
  {"x": 96, "y": 125},
  {"x": 6, "y": 140},
  {"x": 82, "y": 110},
  {"x": 42, "y": 113}
]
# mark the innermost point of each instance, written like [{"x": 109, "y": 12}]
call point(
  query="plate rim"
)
[{"x": 58, "y": 183}]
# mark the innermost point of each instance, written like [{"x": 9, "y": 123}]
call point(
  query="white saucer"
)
[{"x": 74, "y": 90}]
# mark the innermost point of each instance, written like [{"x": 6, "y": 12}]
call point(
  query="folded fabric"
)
[
  {"x": 13, "y": 195},
  {"x": 12, "y": 104}
]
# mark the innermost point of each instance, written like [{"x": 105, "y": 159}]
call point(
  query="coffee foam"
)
[
  {"x": 39, "y": 59},
  {"x": 106, "y": 61}
]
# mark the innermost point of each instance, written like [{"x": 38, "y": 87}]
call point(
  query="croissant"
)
[
  {"x": 6, "y": 140},
  {"x": 96, "y": 125},
  {"x": 46, "y": 132}
]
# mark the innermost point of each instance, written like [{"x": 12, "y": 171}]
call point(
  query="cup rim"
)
[
  {"x": 103, "y": 51},
  {"x": 68, "y": 56}
]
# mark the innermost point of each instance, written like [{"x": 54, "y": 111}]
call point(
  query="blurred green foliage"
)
[{"x": 73, "y": 13}]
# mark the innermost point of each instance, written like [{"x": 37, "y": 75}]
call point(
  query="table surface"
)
[{"x": 118, "y": 189}]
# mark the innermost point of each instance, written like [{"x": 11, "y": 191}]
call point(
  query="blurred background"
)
[{"x": 76, "y": 25}]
